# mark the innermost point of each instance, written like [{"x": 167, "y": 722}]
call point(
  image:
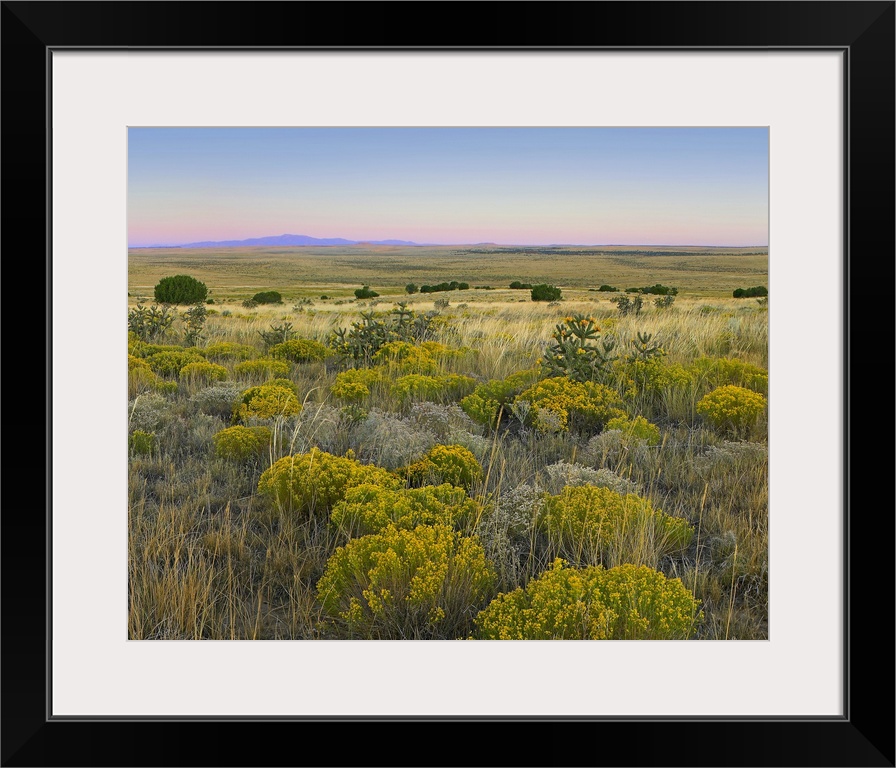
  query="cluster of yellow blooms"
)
[
  {"x": 238, "y": 442},
  {"x": 452, "y": 464},
  {"x": 406, "y": 584},
  {"x": 370, "y": 509},
  {"x": 268, "y": 401},
  {"x": 203, "y": 371},
  {"x": 230, "y": 350},
  {"x": 561, "y": 404},
  {"x": 300, "y": 351},
  {"x": 485, "y": 402},
  {"x": 731, "y": 407},
  {"x": 627, "y": 602},
  {"x": 315, "y": 481}
]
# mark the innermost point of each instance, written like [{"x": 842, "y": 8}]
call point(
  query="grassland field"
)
[
  {"x": 214, "y": 555},
  {"x": 237, "y": 273}
]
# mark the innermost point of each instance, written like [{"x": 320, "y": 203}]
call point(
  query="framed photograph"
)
[{"x": 100, "y": 97}]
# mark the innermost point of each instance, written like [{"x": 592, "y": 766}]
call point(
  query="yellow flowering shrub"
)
[
  {"x": 145, "y": 349},
  {"x": 370, "y": 509},
  {"x": 354, "y": 384},
  {"x": 169, "y": 363},
  {"x": 452, "y": 464},
  {"x": 141, "y": 378},
  {"x": 315, "y": 481},
  {"x": 719, "y": 371},
  {"x": 300, "y": 351},
  {"x": 418, "y": 584},
  {"x": 627, "y": 602},
  {"x": 484, "y": 404},
  {"x": 415, "y": 386},
  {"x": 651, "y": 377},
  {"x": 591, "y": 525},
  {"x": 637, "y": 427},
  {"x": 731, "y": 408},
  {"x": 229, "y": 350},
  {"x": 404, "y": 357},
  {"x": 263, "y": 366},
  {"x": 141, "y": 442},
  {"x": 560, "y": 404},
  {"x": 203, "y": 371},
  {"x": 267, "y": 401},
  {"x": 239, "y": 443}
]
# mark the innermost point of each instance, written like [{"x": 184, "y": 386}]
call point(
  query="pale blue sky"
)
[{"x": 588, "y": 186}]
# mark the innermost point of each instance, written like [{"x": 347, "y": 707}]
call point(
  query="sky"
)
[{"x": 515, "y": 186}]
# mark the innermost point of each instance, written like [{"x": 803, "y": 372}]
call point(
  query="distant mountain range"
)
[{"x": 291, "y": 240}]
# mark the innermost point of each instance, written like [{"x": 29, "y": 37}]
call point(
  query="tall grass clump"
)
[{"x": 588, "y": 525}]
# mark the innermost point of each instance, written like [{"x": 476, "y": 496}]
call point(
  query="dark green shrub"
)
[
  {"x": 745, "y": 293},
  {"x": 410, "y": 288},
  {"x": 454, "y": 285},
  {"x": 656, "y": 290},
  {"x": 545, "y": 292},
  {"x": 267, "y": 297},
  {"x": 365, "y": 293},
  {"x": 607, "y": 289},
  {"x": 517, "y": 285},
  {"x": 180, "y": 289}
]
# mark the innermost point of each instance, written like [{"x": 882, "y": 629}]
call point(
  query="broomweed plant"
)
[
  {"x": 353, "y": 385},
  {"x": 424, "y": 583},
  {"x": 267, "y": 401},
  {"x": 368, "y": 509},
  {"x": 563, "y": 405},
  {"x": 718, "y": 371},
  {"x": 627, "y": 602},
  {"x": 416, "y": 387},
  {"x": 229, "y": 350},
  {"x": 170, "y": 363},
  {"x": 239, "y": 443},
  {"x": 452, "y": 464},
  {"x": 731, "y": 408},
  {"x": 637, "y": 428},
  {"x": 313, "y": 482},
  {"x": 203, "y": 371},
  {"x": 300, "y": 351},
  {"x": 486, "y": 402}
]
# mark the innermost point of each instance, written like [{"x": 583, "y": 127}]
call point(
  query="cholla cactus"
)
[{"x": 575, "y": 351}]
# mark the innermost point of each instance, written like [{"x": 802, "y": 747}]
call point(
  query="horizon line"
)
[{"x": 409, "y": 244}]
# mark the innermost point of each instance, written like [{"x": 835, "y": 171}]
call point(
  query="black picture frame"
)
[{"x": 864, "y": 736}]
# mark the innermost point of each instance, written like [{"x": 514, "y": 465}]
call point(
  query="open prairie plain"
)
[
  {"x": 338, "y": 270},
  {"x": 466, "y": 463}
]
